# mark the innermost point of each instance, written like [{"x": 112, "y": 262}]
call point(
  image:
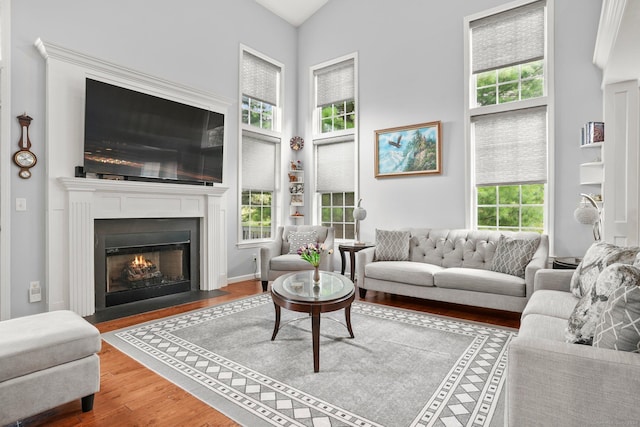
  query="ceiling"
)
[{"x": 294, "y": 12}]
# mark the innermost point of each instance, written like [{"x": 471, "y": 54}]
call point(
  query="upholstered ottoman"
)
[{"x": 47, "y": 360}]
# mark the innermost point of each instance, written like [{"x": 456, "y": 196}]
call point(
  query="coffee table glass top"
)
[{"x": 300, "y": 287}]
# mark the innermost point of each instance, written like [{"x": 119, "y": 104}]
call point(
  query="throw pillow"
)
[
  {"x": 512, "y": 255},
  {"x": 618, "y": 326},
  {"x": 392, "y": 245},
  {"x": 598, "y": 257},
  {"x": 586, "y": 314},
  {"x": 299, "y": 239}
]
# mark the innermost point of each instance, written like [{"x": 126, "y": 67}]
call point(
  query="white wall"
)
[
  {"x": 410, "y": 61},
  {"x": 193, "y": 42},
  {"x": 411, "y": 71}
]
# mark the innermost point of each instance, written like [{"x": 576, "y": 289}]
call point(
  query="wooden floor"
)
[{"x": 131, "y": 395}]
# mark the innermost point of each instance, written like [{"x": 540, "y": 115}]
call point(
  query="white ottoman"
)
[{"x": 47, "y": 360}]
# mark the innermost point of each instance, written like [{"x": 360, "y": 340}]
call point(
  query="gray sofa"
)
[
  {"x": 453, "y": 266},
  {"x": 554, "y": 383}
]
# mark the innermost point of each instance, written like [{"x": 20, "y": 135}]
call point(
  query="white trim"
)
[
  {"x": 276, "y": 211},
  {"x": 610, "y": 22},
  {"x": 5, "y": 166}
]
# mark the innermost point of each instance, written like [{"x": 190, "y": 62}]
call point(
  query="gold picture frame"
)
[{"x": 409, "y": 150}]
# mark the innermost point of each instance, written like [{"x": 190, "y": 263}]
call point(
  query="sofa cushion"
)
[
  {"x": 299, "y": 239},
  {"x": 597, "y": 258},
  {"x": 544, "y": 327},
  {"x": 619, "y": 325},
  {"x": 392, "y": 245},
  {"x": 586, "y": 314},
  {"x": 413, "y": 273},
  {"x": 558, "y": 304},
  {"x": 40, "y": 341},
  {"x": 512, "y": 255},
  {"x": 289, "y": 262},
  {"x": 472, "y": 279}
]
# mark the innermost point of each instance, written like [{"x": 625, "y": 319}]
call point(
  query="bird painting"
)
[{"x": 395, "y": 143}]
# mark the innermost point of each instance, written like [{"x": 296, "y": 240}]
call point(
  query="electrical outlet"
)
[
  {"x": 255, "y": 257},
  {"x": 35, "y": 292}
]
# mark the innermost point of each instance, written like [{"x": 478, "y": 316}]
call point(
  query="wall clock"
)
[
  {"x": 296, "y": 143},
  {"x": 24, "y": 158}
]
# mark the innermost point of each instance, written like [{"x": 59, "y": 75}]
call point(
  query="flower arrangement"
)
[{"x": 312, "y": 253}]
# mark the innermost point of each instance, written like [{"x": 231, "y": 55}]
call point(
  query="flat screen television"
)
[{"x": 143, "y": 137}]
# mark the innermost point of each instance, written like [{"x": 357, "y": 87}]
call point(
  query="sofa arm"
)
[
  {"x": 268, "y": 251},
  {"x": 553, "y": 383},
  {"x": 363, "y": 258},
  {"x": 555, "y": 280},
  {"x": 538, "y": 262}
]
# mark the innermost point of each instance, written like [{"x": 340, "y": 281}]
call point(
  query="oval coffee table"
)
[{"x": 296, "y": 292}]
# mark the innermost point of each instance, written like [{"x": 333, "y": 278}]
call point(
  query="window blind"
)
[
  {"x": 511, "y": 147},
  {"x": 260, "y": 79},
  {"x": 512, "y": 37},
  {"x": 335, "y": 83},
  {"x": 335, "y": 167},
  {"x": 258, "y": 162}
]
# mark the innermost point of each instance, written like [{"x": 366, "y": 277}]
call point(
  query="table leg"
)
[
  {"x": 347, "y": 318},
  {"x": 343, "y": 261},
  {"x": 352, "y": 266},
  {"x": 315, "y": 330},
  {"x": 276, "y": 327}
]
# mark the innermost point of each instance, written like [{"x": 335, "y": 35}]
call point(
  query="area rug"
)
[{"x": 403, "y": 368}]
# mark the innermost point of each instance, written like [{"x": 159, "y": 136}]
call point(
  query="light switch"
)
[{"x": 21, "y": 204}]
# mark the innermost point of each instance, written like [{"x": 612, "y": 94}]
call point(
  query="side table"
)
[
  {"x": 565, "y": 263},
  {"x": 352, "y": 248}
]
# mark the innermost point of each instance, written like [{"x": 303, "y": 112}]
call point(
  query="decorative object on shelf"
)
[
  {"x": 24, "y": 158},
  {"x": 296, "y": 143},
  {"x": 409, "y": 150},
  {"x": 588, "y": 213},
  {"x": 592, "y": 132},
  {"x": 296, "y": 188},
  {"x": 312, "y": 253},
  {"x": 296, "y": 165},
  {"x": 359, "y": 214}
]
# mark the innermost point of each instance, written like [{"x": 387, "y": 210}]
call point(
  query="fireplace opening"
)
[{"x": 145, "y": 258}]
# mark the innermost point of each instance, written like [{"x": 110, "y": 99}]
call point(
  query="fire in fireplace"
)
[{"x": 159, "y": 258}]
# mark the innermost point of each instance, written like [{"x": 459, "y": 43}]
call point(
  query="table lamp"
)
[
  {"x": 588, "y": 212},
  {"x": 359, "y": 214}
]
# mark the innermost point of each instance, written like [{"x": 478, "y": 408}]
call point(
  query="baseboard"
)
[{"x": 244, "y": 278}]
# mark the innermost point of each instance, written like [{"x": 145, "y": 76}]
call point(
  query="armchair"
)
[{"x": 275, "y": 259}]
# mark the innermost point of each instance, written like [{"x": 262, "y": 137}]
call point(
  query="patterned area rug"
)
[{"x": 403, "y": 368}]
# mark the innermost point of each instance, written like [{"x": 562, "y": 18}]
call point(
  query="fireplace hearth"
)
[{"x": 138, "y": 259}]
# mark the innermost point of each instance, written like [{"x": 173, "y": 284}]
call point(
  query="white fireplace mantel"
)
[
  {"x": 72, "y": 204},
  {"x": 91, "y": 199}
]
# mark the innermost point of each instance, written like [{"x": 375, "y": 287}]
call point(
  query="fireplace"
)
[{"x": 138, "y": 259}]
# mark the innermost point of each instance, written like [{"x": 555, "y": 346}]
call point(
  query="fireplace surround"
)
[{"x": 73, "y": 204}]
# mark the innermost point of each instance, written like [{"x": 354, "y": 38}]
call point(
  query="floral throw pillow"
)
[
  {"x": 597, "y": 258},
  {"x": 298, "y": 239},
  {"x": 586, "y": 314},
  {"x": 512, "y": 255},
  {"x": 392, "y": 245},
  {"x": 618, "y": 325}
]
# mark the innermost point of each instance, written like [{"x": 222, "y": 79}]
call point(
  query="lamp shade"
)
[
  {"x": 586, "y": 214},
  {"x": 359, "y": 213}
]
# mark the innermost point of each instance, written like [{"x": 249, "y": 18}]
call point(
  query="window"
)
[
  {"x": 259, "y": 146},
  {"x": 335, "y": 185},
  {"x": 508, "y": 108},
  {"x": 335, "y": 146}
]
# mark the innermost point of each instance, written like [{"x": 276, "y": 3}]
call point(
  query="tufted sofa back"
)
[{"x": 458, "y": 248}]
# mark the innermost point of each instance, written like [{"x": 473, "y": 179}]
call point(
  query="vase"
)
[{"x": 316, "y": 276}]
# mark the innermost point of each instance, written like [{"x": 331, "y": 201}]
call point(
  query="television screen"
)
[{"x": 140, "y": 136}]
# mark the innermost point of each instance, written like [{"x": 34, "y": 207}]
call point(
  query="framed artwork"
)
[{"x": 409, "y": 150}]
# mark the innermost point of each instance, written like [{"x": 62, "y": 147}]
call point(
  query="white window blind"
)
[
  {"x": 511, "y": 147},
  {"x": 335, "y": 83},
  {"x": 260, "y": 79},
  {"x": 258, "y": 162},
  {"x": 335, "y": 167},
  {"x": 512, "y": 37}
]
